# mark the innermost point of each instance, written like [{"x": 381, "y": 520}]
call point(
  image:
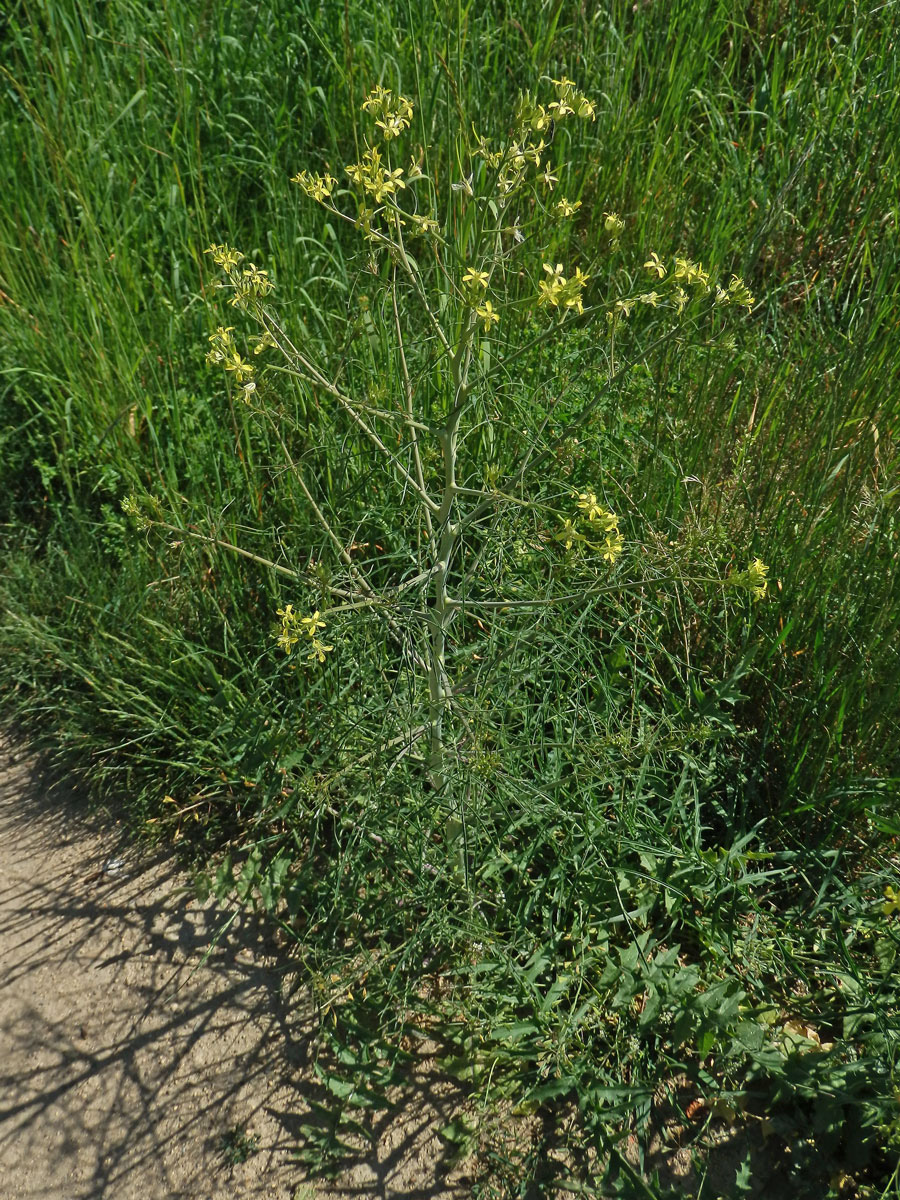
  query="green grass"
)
[{"x": 680, "y": 814}]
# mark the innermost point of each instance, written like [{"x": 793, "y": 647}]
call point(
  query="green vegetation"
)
[
  {"x": 237, "y": 1145},
  {"x": 643, "y": 886}
]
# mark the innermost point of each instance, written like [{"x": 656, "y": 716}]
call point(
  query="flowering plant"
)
[{"x": 467, "y": 281}]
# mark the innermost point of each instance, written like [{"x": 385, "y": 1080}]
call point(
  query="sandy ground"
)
[{"x": 126, "y": 1058}]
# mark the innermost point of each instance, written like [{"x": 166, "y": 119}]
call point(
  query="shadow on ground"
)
[{"x": 149, "y": 1042}]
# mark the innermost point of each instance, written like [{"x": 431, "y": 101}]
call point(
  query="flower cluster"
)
[
  {"x": 376, "y": 181},
  {"x": 318, "y": 187},
  {"x": 602, "y": 532},
  {"x": 252, "y": 284},
  {"x": 225, "y": 257},
  {"x": 566, "y": 208},
  {"x": 294, "y": 627},
  {"x": 132, "y": 507},
  {"x": 425, "y": 226},
  {"x": 737, "y": 292},
  {"x": 562, "y": 291},
  {"x": 754, "y": 579},
  {"x": 224, "y": 353},
  {"x": 691, "y": 273},
  {"x": 569, "y": 102},
  {"x": 392, "y": 114},
  {"x": 613, "y": 225},
  {"x": 512, "y": 161},
  {"x": 221, "y": 345},
  {"x": 249, "y": 283},
  {"x": 756, "y": 576},
  {"x": 685, "y": 271},
  {"x": 476, "y": 282}
]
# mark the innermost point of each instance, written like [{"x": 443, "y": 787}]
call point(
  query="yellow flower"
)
[
  {"x": 571, "y": 293},
  {"x": 570, "y": 101},
  {"x": 589, "y": 505},
  {"x": 288, "y": 638},
  {"x": 393, "y": 114},
  {"x": 559, "y": 110},
  {"x": 739, "y": 293},
  {"x": 493, "y": 158},
  {"x": 601, "y": 518},
  {"x": 424, "y": 225},
  {"x": 568, "y": 534},
  {"x": 312, "y": 624},
  {"x": 613, "y": 546},
  {"x": 319, "y": 650},
  {"x": 287, "y": 641},
  {"x": 291, "y": 627},
  {"x": 567, "y": 208},
  {"x": 683, "y": 268},
  {"x": 549, "y": 290},
  {"x": 584, "y": 108},
  {"x": 356, "y": 171},
  {"x": 475, "y": 278},
  {"x": 392, "y": 125},
  {"x": 385, "y": 185},
  {"x": 221, "y": 345},
  {"x": 240, "y": 368},
  {"x": 650, "y": 298},
  {"x": 533, "y": 153},
  {"x": 377, "y": 99},
  {"x": 625, "y": 306},
  {"x": 557, "y": 289},
  {"x": 487, "y": 314},
  {"x": 613, "y": 224},
  {"x": 319, "y": 187},
  {"x": 891, "y": 901},
  {"x": 681, "y": 299},
  {"x": 374, "y": 178},
  {"x": 225, "y": 257},
  {"x": 264, "y": 341},
  {"x": 756, "y": 578},
  {"x": 654, "y": 263},
  {"x": 531, "y": 115},
  {"x": 252, "y": 284},
  {"x": 691, "y": 272}
]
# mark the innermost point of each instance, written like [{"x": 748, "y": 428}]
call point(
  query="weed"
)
[
  {"x": 667, "y": 821},
  {"x": 237, "y": 1145}
]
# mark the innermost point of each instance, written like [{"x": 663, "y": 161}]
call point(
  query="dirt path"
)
[{"x": 128, "y": 1066}]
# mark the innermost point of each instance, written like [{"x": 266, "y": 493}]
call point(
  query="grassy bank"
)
[{"x": 676, "y": 806}]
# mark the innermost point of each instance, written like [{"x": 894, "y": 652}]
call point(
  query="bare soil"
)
[{"x": 135, "y": 1061}]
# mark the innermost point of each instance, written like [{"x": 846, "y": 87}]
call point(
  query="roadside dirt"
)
[{"x": 131, "y": 1066}]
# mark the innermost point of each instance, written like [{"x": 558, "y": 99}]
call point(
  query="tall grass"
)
[{"x": 683, "y": 822}]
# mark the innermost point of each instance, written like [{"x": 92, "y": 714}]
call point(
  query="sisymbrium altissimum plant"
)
[{"x": 470, "y": 274}]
